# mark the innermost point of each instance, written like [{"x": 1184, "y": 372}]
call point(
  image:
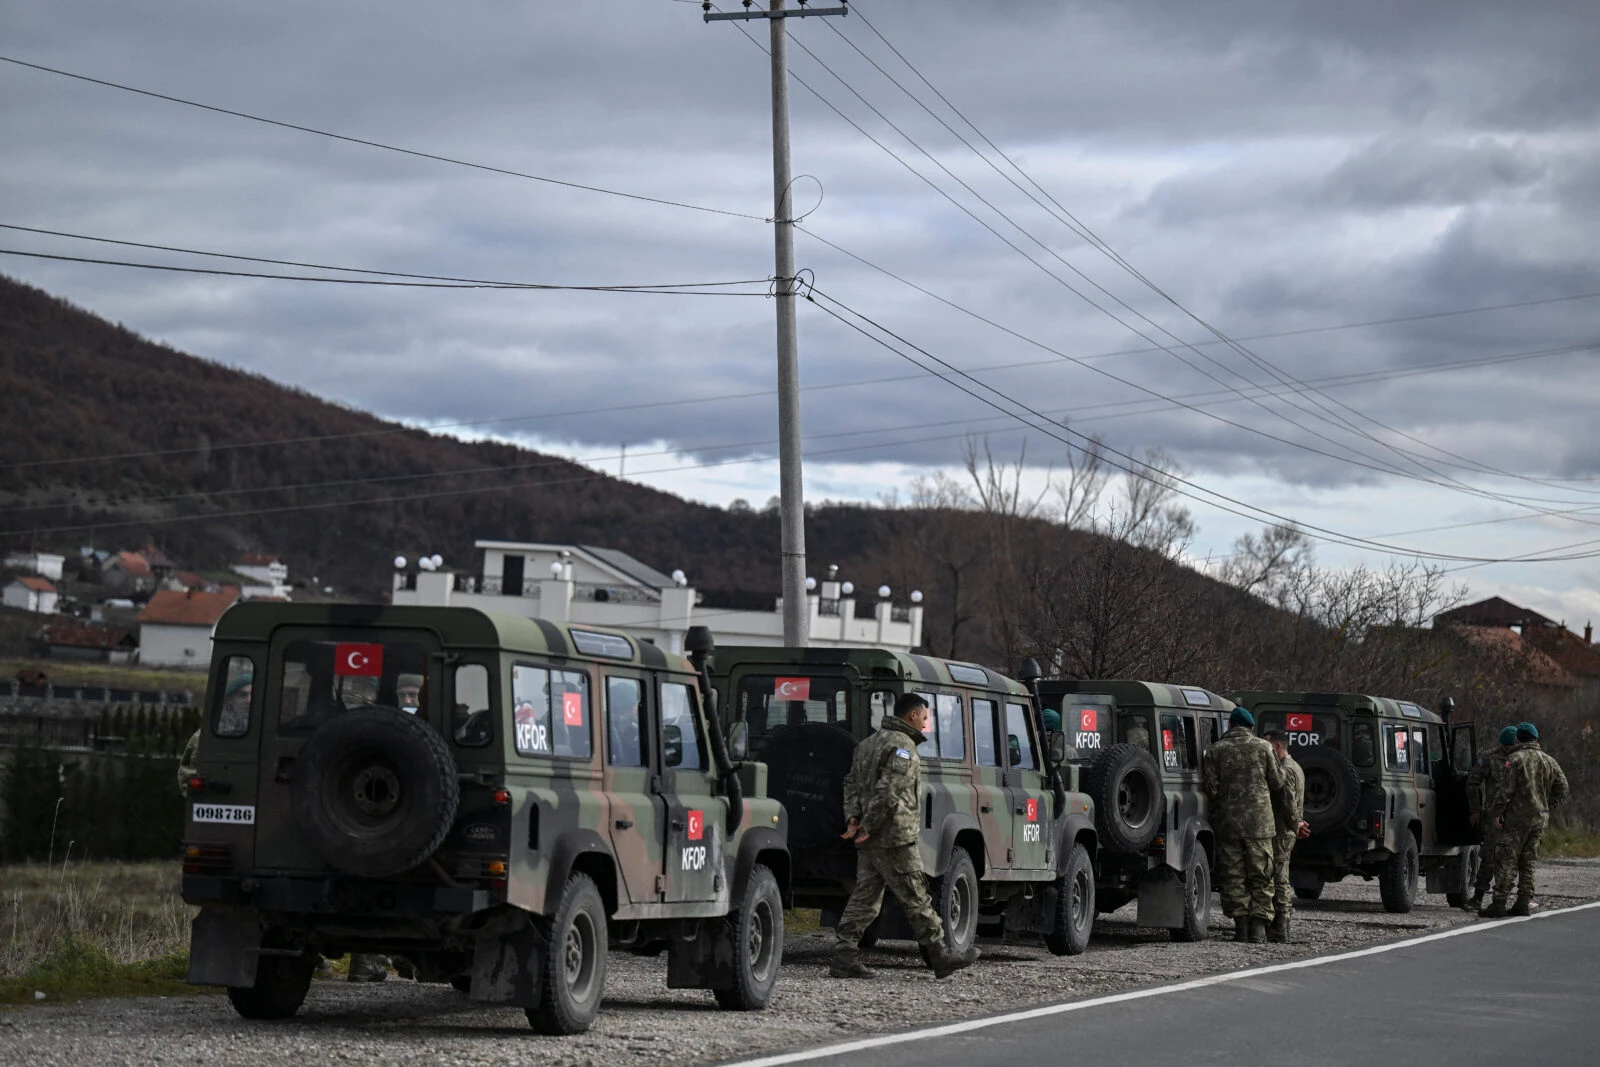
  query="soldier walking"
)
[
  {"x": 1482, "y": 781},
  {"x": 883, "y": 806},
  {"x": 1291, "y": 828},
  {"x": 1244, "y": 785},
  {"x": 1532, "y": 784}
]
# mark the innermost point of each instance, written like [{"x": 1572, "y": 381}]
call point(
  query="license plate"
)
[{"x": 234, "y": 813}]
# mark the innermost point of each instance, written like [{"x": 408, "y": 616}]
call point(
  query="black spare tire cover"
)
[
  {"x": 1333, "y": 788},
  {"x": 1128, "y": 799},
  {"x": 374, "y": 791},
  {"x": 806, "y": 767}
]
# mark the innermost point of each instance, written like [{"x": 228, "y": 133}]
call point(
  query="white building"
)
[
  {"x": 604, "y": 587},
  {"x": 31, "y": 594},
  {"x": 269, "y": 576},
  {"x": 175, "y": 627},
  {"x": 44, "y": 564}
]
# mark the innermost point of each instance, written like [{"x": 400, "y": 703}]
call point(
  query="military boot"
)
[
  {"x": 1523, "y": 906},
  {"x": 1241, "y": 928},
  {"x": 1258, "y": 931},
  {"x": 1474, "y": 904},
  {"x": 1496, "y": 908},
  {"x": 1278, "y": 930},
  {"x": 945, "y": 963},
  {"x": 847, "y": 964}
]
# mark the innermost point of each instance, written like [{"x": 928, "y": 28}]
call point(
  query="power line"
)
[{"x": 419, "y": 154}]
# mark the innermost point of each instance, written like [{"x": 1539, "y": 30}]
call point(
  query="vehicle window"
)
[
  {"x": 1019, "y": 738},
  {"x": 1363, "y": 749},
  {"x": 984, "y": 753},
  {"x": 1305, "y": 728},
  {"x": 1134, "y": 729},
  {"x": 230, "y": 712},
  {"x": 1419, "y": 750},
  {"x": 323, "y": 678},
  {"x": 1177, "y": 742},
  {"x": 1463, "y": 749},
  {"x": 680, "y": 729},
  {"x": 1396, "y": 748},
  {"x": 622, "y": 723},
  {"x": 881, "y": 703},
  {"x": 550, "y": 712},
  {"x": 471, "y": 721},
  {"x": 1087, "y": 726},
  {"x": 768, "y": 702},
  {"x": 947, "y": 733}
]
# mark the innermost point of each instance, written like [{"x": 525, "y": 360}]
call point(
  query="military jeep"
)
[
  {"x": 1006, "y": 840},
  {"x": 1385, "y": 796},
  {"x": 498, "y": 800},
  {"x": 1140, "y": 745}
]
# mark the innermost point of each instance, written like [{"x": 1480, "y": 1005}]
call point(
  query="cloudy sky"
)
[{"x": 1350, "y": 194}]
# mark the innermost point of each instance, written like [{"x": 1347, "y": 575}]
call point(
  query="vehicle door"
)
[
  {"x": 1180, "y": 771},
  {"x": 1422, "y": 757},
  {"x": 1450, "y": 768},
  {"x": 638, "y": 823},
  {"x": 1399, "y": 781},
  {"x": 695, "y": 817},
  {"x": 947, "y": 786},
  {"x": 988, "y": 782},
  {"x": 1027, "y": 798}
]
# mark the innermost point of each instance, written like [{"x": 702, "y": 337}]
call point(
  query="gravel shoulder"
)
[{"x": 644, "y": 1023}]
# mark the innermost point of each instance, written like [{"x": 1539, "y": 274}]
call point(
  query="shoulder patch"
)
[{"x": 903, "y": 753}]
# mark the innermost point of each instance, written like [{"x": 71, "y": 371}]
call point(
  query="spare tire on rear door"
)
[
  {"x": 1128, "y": 801},
  {"x": 1332, "y": 787},
  {"x": 806, "y": 766},
  {"x": 374, "y": 791}
]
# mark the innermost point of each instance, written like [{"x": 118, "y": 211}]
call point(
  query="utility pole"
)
[{"x": 791, "y": 492}]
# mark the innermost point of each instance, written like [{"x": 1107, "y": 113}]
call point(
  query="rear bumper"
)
[{"x": 337, "y": 896}]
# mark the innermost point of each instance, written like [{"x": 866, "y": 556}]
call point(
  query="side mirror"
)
[
  {"x": 738, "y": 742},
  {"x": 672, "y": 745},
  {"x": 1056, "y": 744}
]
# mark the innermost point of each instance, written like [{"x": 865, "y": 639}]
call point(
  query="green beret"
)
[
  {"x": 237, "y": 684},
  {"x": 1241, "y": 716},
  {"x": 1529, "y": 729},
  {"x": 1508, "y": 736}
]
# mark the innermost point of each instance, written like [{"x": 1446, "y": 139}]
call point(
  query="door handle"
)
[
  {"x": 624, "y": 824},
  {"x": 677, "y": 824},
  {"x": 986, "y": 808}
]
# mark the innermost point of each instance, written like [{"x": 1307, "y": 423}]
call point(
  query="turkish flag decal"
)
[
  {"x": 1087, "y": 718},
  {"x": 572, "y": 709},
  {"x": 1298, "y": 722},
  {"x": 791, "y": 689},
  {"x": 697, "y": 825},
  {"x": 1033, "y": 809},
  {"x": 1167, "y": 743},
  {"x": 358, "y": 661}
]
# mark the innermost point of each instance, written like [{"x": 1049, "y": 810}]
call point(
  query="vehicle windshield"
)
[
  {"x": 1304, "y": 727},
  {"x": 769, "y": 702},
  {"x": 322, "y": 678}
]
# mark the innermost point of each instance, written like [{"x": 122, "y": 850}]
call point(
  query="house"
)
[
  {"x": 126, "y": 573},
  {"x": 585, "y": 584},
  {"x": 269, "y": 576},
  {"x": 84, "y": 641},
  {"x": 160, "y": 566},
  {"x": 44, "y": 564},
  {"x": 31, "y": 594},
  {"x": 175, "y": 628},
  {"x": 182, "y": 581}
]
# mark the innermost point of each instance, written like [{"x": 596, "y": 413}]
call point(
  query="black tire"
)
[
  {"x": 573, "y": 978},
  {"x": 1125, "y": 785},
  {"x": 1308, "y": 892},
  {"x": 1074, "y": 912},
  {"x": 955, "y": 898},
  {"x": 462, "y": 983},
  {"x": 757, "y": 929},
  {"x": 1333, "y": 788},
  {"x": 280, "y": 989},
  {"x": 1469, "y": 860},
  {"x": 1196, "y": 898},
  {"x": 375, "y": 791},
  {"x": 806, "y": 768},
  {"x": 1397, "y": 881}
]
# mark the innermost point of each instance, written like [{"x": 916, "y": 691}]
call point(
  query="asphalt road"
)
[{"x": 1519, "y": 992}]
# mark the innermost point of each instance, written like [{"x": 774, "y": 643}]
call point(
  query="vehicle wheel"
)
[
  {"x": 1332, "y": 787},
  {"x": 955, "y": 898},
  {"x": 462, "y": 983},
  {"x": 757, "y": 944},
  {"x": 280, "y": 989},
  {"x": 1074, "y": 917},
  {"x": 1196, "y": 898},
  {"x": 573, "y": 978},
  {"x": 375, "y": 791},
  {"x": 1469, "y": 859},
  {"x": 1128, "y": 801},
  {"x": 1308, "y": 892},
  {"x": 1397, "y": 881}
]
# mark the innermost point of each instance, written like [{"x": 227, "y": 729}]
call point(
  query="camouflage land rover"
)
[
  {"x": 1141, "y": 745},
  {"x": 1006, "y": 839},
  {"x": 1386, "y": 792},
  {"x": 496, "y": 799}
]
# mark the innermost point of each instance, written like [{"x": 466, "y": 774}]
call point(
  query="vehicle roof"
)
[
  {"x": 1355, "y": 703},
  {"x": 868, "y": 662},
  {"x": 455, "y": 627},
  {"x": 1131, "y": 694}
]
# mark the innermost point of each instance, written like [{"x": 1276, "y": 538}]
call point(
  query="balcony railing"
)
[
  {"x": 612, "y": 594},
  {"x": 495, "y": 585}
]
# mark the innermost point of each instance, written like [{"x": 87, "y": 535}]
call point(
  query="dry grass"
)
[
  {"x": 91, "y": 929},
  {"x": 67, "y": 673},
  {"x": 1573, "y": 842}
]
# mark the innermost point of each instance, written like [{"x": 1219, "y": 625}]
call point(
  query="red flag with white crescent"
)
[
  {"x": 791, "y": 689},
  {"x": 1301, "y": 723},
  {"x": 358, "y": 661}
]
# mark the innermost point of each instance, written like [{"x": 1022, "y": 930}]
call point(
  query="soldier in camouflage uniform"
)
[
  {"x": 1291, "y": 828},
  {"x": 1532, "y": 784},
  {"x": 1244, "y": 785},
  {"x": 883, "y": 806},
  {"x": 1482, "y": 781}
]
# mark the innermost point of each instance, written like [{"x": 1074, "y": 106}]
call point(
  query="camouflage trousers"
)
[
  {"x": 1513, "y": 858},
  {"x": 1488, "y": 857},
  {"x": 1282, "y": 891},
  {"x": 1244, "y": 876},
  {"x": 899, "y": 870}
]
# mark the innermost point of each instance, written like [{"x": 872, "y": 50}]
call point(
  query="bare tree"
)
[
  {"x": 998, "y": 485},
  {"x": 1151, "y": 515},
  {"x": 1079, "y": 488},
  {"x": 1271, "y": 566}
]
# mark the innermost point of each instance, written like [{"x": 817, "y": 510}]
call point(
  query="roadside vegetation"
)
[{"x": 68, "y": 674}]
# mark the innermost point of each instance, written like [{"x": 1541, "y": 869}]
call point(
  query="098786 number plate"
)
[{"x": 232, "y": 813}]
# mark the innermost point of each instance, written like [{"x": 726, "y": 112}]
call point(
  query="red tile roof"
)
[
  {"x": 134, "y": 564},
  {"x": 83, "y": 635},
  {"x": 172, "y": 608},
  {"x": 38, "y": 585},
  {"x": 1542, "y": 670}
]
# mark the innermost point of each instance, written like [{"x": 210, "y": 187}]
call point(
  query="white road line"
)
[{"x": 967, "y": 1026}]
